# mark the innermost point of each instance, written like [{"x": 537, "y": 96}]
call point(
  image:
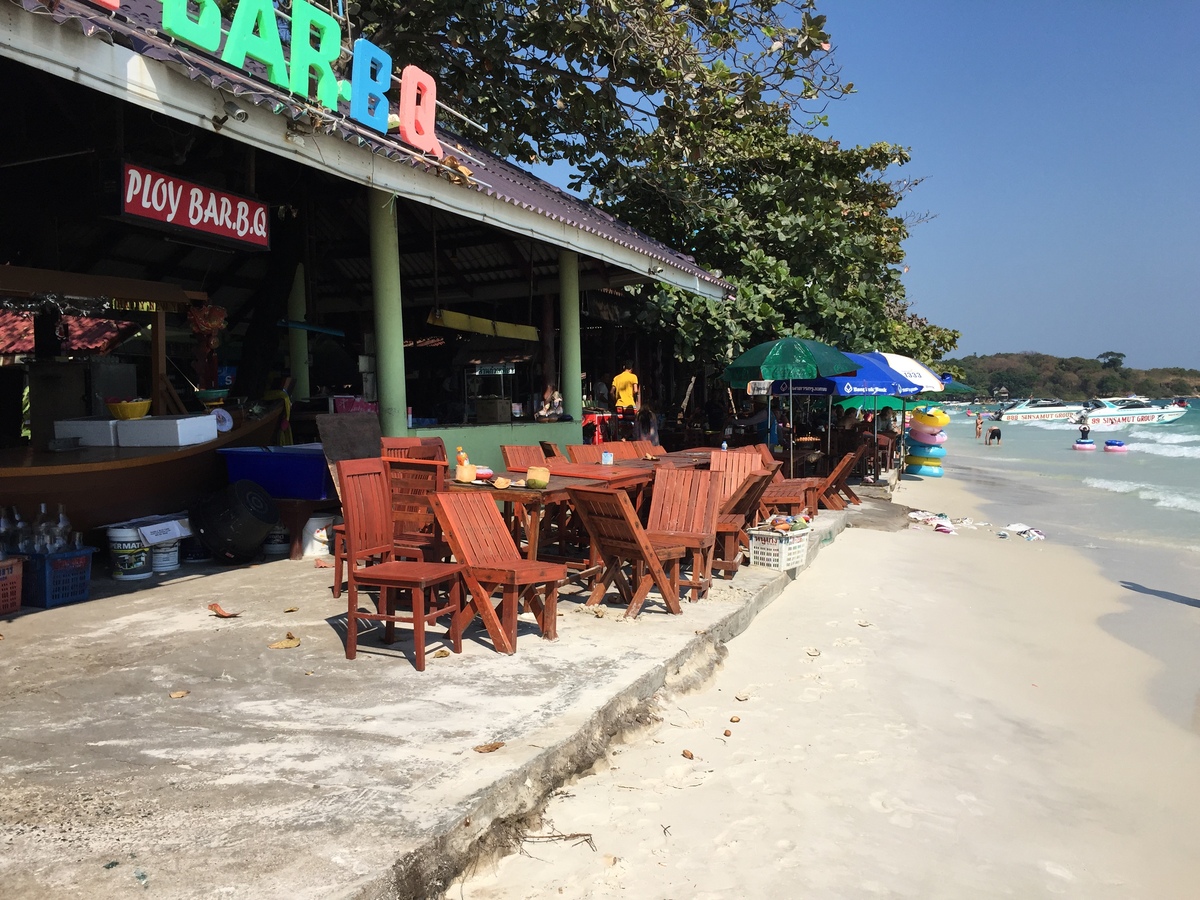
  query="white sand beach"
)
[{"x": 921, "y": 715}]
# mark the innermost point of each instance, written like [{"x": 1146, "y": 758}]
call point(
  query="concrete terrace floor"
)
[{"x": 297, "y": 772}]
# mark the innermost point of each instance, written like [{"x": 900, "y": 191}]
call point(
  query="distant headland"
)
[{"x": 1071, "y": 378}]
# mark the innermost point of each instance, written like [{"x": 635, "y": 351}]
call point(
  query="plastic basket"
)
[
  {"x": 779, "y": 549},
  {"x": 10, "y": 585},
  {"x": 56, "y": 579}
]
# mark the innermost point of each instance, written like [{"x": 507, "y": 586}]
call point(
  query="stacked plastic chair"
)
[{"x": 924, "y": 442}]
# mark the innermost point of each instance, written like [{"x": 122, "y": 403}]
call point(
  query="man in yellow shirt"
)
[{"x": 625, "y": 399}]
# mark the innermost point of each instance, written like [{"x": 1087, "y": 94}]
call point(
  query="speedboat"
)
[
  {"x": 1130, "y": 410},
  {"x": 1038, "y": 410}
]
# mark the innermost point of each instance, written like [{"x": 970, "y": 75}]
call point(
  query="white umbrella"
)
[{"x": 914, "y": 371}]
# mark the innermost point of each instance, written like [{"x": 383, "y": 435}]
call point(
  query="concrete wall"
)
[{"x": 482, "y": 442}]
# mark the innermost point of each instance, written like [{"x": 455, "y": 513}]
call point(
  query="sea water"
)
[
  {"x": 1135, "y": 515},
  {"x": 1149, "y": 495}
]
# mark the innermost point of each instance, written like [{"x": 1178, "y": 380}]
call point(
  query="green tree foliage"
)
[
  {"x": 1072, "y": 378},
  {"x": 1110, "y": 359}
]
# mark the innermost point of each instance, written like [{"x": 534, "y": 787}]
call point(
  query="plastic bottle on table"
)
[
  {"x": 461, "y": 457},
  {"x": 724, "y": 445}
]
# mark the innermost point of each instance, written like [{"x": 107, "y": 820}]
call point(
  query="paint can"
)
[{"x": 130, "y": 557}]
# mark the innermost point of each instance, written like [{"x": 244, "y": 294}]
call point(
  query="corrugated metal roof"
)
[{"x": 136, "y": 26}]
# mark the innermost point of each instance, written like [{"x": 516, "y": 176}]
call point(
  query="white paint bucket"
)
[
  {"x": 278, "y": 542},
  {"x": 164, "y": 557},
  {"x": 318, "y": 532},
  {"x": 130, "y": 557}
]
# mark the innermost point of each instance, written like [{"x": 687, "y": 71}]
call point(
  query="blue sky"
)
[{"x": 1060, "y": 146}]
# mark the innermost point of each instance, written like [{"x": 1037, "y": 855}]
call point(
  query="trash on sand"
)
[
  {"x": 141, "y": 877},
  {"x": 286, "y": 644},
  {"x": 441, "y": 654},
  {"x": 220, "y": 613},
  {"x": 292, "y": 609},
  {"x": 735, "y": 719},
  {"x": 742, "y": 697},
  {"x": 863, "y": 623},
  {"x": 812, "y": 651},
  {"x": 489, "y": 748},
  {"x": 1026, "y": 531},
  {"x": 728, "y": 732},
  {"x": 178, "y": 695},
  {"x": 112, "y": 864},
  {"x": 687, "y": 754},
  {"x": 322, "y": 564},
  {"x": 1002, "y": 534}
]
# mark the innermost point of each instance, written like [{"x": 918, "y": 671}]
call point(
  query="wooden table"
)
[
  {"x": 525, "y": 504},
  {"x": 632, "y": 475}
]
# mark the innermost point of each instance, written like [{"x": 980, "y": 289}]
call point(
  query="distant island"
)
[{"x": 1072, "y": 378}]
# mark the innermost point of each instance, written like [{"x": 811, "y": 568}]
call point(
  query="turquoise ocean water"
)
[{"x": 1135, "y": 515}]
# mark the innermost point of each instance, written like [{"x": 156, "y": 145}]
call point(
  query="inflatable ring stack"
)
[{"x": 924, "y": 442}]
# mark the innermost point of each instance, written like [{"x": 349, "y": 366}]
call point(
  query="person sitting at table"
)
[{"x": 551, "y": 409}]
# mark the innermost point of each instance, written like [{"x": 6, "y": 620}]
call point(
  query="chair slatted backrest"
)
[
  {"x": 733, "y": 469},
  {"x": 521, "y": 455},
  {"x": 413, "y": 447},
  {"x": 586, "y": 453},
  {"x": 551, "y": 449},
  {"x": 622, "y": 450},
  {"x": 841, "y": 470},
  {"x": 410, "y": 482},
  {"x": 684, "y": 500},
  {"x": 366, "y": 507},
  {"x": 641, "y": 448},
  {"x": 768, "y": 458},
  {"x": 747, "y": 498},
  {"x": 474, "y": 528},
  {"x": 611, "y": 522}
]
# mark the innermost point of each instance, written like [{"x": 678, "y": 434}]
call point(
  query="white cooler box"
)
[
  {"x": 166, "y": 431},
  {"x": 92, "y": 431}
]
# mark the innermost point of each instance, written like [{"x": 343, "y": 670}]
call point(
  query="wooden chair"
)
[
  {"x": 413, "y": 448},
  {"x": 733, "y": 467},
  {"x": 366, "y": 506},
  {"x": 618, "y": 537},
  {"x": 642, "y": 449},
  {"x": 621, "y": 450},
  {"x": 481, "y": 542},
  {"x": 551, "y": 449},
  {"x": 736, "y": 515},
  {"x": 794, "y": 494},
  {"x": 521, "y": 455},
  {"x": 586, "y": 453},
  {"x": 684, "y": 510}
]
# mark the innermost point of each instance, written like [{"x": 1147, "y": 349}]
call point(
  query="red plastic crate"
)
[
  {"x": 10, "y": 585},
  {"x": 56, "y": 579}
]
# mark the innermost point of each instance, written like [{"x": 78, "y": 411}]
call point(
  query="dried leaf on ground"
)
[
  {"x": 863, "y": 623},
  {"x": 742, "y": 697},
  {"x": 178, "y": 695},
  {"x": 220, "y": 613},
  {"x": 286, "y": 644},
  {"x": 292, "y": 609},
  {"x": 687, "y": 754},
  {"x": 441, "y": 654},
  {"x": 489, "y": 748},
  {"x": 812, "y": 651},
  {"x": 322, "y": 564}
]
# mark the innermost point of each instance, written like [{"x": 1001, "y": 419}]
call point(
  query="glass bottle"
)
[
  {"x": 8, "y": 531},
  {"x": 43, "y": 530},
  {"x": 24, "y": 533},
  {"x": 62, "y": 528}
]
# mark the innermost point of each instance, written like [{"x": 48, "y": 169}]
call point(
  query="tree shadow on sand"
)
[{"x": 1166, "y": 595}]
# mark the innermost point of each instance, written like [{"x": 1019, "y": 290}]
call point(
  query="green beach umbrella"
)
[{"x": 788, "y": 359}]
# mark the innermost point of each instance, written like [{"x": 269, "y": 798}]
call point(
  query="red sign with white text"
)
[{"x": 168, "y": 200}]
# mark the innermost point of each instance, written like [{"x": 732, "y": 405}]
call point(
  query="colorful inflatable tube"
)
[
  {"x": 1085, "y": 445},
  {"x": 930, "y": 418},
  {"x": 912, "y": 460},
  {"x": 929, "y": 438},
  {"x": 926, "y": 471},
  {"x": 932, "y": 452},
  {"x": 1115, "y": 447}
]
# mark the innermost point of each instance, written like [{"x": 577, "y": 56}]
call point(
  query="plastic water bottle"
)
[{"x": 724, "y": 445}]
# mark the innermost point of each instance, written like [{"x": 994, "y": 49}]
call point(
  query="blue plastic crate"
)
[
  {"x": 56, "y": 579},
  {"x": 286, "y": 473}
]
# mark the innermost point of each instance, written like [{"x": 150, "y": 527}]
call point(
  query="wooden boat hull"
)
[{"x": 102, "y": 485}]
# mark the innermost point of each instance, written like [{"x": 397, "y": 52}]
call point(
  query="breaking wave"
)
[
  {"x": 1160, "y": 437},
  {"x": 1178, "y": 450},
  {"x": 1161, "y": 498}
]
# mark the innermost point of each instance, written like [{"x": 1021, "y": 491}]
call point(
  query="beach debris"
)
[
  {"x": 1026, "y": 531},
  {"x": 292, "y": 609},
  {"x": 441, "y": 654},
  {"x": 220, "y": 613},
  {"x": 688, "y": 754},
  {"x": 112, "y": 864},
  {"x": 1003, "y": 535},
  {"x": 863, "y": 623},
  {"x": 178, "y": 695},
  {"x": 735, "y": 719},
  {"x": 141, "y": 877},
  {"x": 742, "y": 697},
  {"x": 322, "y": 564},
  {"x": 728, "y": 732},
  {"x": 812, "y": 651},
  {"x": 286, "y": 644},
  {"x": 489, "y": 748}
]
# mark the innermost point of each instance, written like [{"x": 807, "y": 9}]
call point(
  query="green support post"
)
[
  {"x": 568, "y": 314},
  {"x": 389, "y": 318}
]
